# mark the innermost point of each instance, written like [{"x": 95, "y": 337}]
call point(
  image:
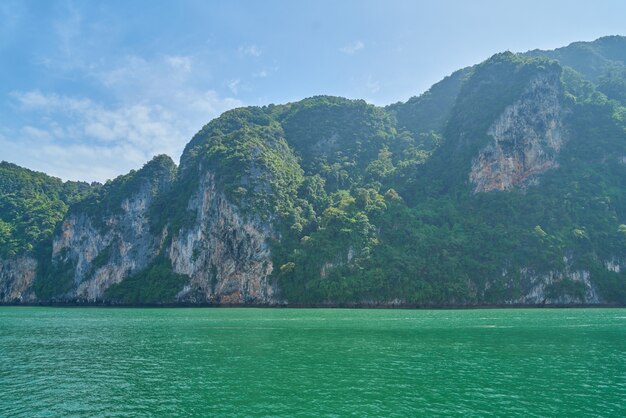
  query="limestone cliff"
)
[
  {"x": 101, "y": 251},
  {"x": 564, "y": 286},
  {"x": 100, "y": 258},
  {"x": 226, "y": 255},
  {"x": 526, "y": 138},
  {"x": 561, "y": 287},
  {"x": 331, "y": 201},
  {"x": 16, "y": 279}
]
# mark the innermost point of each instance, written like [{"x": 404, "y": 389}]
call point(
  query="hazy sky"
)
[{"x": 92, "y": 89}]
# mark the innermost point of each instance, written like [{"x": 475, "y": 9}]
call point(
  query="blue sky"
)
[{"x": 92, "y": 89}]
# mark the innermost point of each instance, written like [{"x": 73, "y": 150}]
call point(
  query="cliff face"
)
[
  {"x": 101, "y": 257},
  {"x": 565, "y": 286},
  {"x": 16, "y": 279},
  {"x": 526, "y": 138},
  {"x": 335, "y": 201},
  {"x": 226, "y": 256},
  {"x": 561, "y": 287}
]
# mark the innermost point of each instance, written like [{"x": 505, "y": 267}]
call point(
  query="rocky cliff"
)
[
  {"x": 226, "y": 256},
  {"x": 101, "y": 247},
  {"x": 502, "y": 185},
  {"x": 16, "y": 279},
  {"x": 526, "y": 138}
]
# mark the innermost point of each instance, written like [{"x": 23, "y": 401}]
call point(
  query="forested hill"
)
[{"x": 503, "y": 184}]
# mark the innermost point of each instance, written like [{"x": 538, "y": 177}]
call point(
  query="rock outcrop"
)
[
  {"x": 297, "y": 204},
  {"x": 526, "y": 138},
  {"x": 16, "y": 279},
  {"x": 549, "y": 288},
  {"x": 102, "y": 257},
  {"x": 226, "y": 255},
  {"x": 99, "y": 250}
]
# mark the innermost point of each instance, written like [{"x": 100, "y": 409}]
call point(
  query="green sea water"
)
[{"x": 312, "y": 362}]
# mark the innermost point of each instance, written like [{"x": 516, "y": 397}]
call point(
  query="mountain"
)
[{"x": 503, "y": 184}]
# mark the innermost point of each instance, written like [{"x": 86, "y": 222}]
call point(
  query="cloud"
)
[
  {"x": 352, "y": 48},
  {"x": 68, "y": 29},
  {"x": 80, "y": 139},
  {"x": 233, "y": 85},
  {"x": 266, "y": 72},
  {"x": 182, "y": 63},
  {"x": 36, "y": 133},
  {"x": 130, "y": 107},
  {"x": 250, "y": 50},
  {"x": 71, "y": 162}
]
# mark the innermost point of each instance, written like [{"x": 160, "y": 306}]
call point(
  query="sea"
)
[{"x": 255, "y": 362}]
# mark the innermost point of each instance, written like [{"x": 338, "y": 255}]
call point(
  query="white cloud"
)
[
  {"x": 233, "y": 85},
  {"x": 68, "y": 30},
  {"x": 182, "y": 63},
  {"x": 36, "y": 100},
  {"x": 250, "y": 50},
  {"x": 149, "y": 106},
  {"x": 79, "y": 139},
  {"x": 36, "y": 133},
  {"x": 266, "y": 72},
  {"x": 352, "y": 48},
  {"x": 86, "y": 162}
]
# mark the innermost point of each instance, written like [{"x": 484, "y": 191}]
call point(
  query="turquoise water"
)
[{"x": 312, "y": 362}]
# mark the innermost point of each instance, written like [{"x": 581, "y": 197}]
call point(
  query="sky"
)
[{"x": 92, "y": 89}]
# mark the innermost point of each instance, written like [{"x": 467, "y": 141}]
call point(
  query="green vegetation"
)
[
  {"x": 375, "y": 204},
  {"x": 430, "y": 111},
  {"x": 31, "y": 205},
  {"x": 591, "y": 59},
  {"x": 439, "y": 243},
  {"x": 156, "y": 283},
  {"x": 54, "y": 279},
  {"x": 155, "y": 176}
]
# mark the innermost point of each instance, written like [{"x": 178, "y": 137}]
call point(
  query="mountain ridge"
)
[{"x": 500, "y": 185}]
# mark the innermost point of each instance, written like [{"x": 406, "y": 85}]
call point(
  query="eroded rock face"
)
[
  {"x": 527, "y": 138},
  {"x": 226, "y": 255},
  {"x": 565, "y": 286},
  {"x": 16, "y": 279},
  {"x": 538, "y": 290},
  {"x": 105, "y": 256}
]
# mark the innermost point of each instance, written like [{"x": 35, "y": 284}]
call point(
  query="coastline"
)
[{"x": 313, "y": 306}]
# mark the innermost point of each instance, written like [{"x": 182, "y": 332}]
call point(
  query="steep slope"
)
[
  {"x": 106, "y": 237},
  {"x": 237, "y": 178},
  {"x": 31, "y": 205},
  {"x": 430, "y": 111},
  {"x": 602, "y": 62},
  {"x": 592, "y": 59},
  {"x": 556, "y": 149},
  {"x": 503, "y": 184}
]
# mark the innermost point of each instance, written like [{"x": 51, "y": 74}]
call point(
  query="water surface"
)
[{"x": 312, "y": 362}]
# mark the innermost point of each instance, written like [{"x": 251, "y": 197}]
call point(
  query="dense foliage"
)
[
  {"x": 156, "y": 175},
  {"x": 352, "y": 237},
  {"x": 155, "y": 284},
  {"x": 31, "y": 205},
  {"x": 430, "y": 111},
  {"x": 374, "y": 204},
  {"x": 591, "y": 59}
]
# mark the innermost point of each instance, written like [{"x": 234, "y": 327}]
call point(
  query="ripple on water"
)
[{"x": 262, "y": 362}]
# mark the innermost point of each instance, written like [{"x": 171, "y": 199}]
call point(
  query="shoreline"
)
[{"x": 310, "y": 306}]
